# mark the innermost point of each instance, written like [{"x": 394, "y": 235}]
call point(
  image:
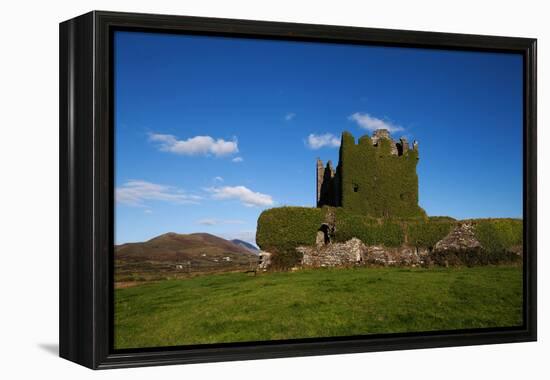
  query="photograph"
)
[{"x": 275, "y": 190}]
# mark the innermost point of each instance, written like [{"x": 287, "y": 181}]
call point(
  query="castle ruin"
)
[{"x": 375, "y": 177}]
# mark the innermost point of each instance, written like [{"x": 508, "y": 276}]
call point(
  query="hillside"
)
[
  {"x": 172, "y": 254},
  {"x": 246, "y": 245},
  {"x": 177, "y": 247}
]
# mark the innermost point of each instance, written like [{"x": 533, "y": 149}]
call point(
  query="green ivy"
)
[
  {"x": 498, "y": 235},
  {"x": 377, "y": 183},
  {"x": 441, "y": 219},
  {"x": 281, "y": 230},
  {"x": 427, "y": 233},
  {"x": 371, "y": 231}
]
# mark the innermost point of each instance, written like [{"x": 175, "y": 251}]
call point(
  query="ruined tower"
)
[
  {"x": 375, "y": 176},
  {"x": 328, "y": 188}
]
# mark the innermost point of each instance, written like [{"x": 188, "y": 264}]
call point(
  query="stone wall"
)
[
  {"x": 354, "y": 252},
  {"x": 459, "y": 247},
  {"x": 349, "y": 253},
  {"x": 399, "y": 256}
]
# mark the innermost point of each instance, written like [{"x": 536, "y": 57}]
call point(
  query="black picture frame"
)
[{"x": 87, "y": 189}]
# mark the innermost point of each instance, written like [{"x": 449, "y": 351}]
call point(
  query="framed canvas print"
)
[{"x": 236, "y": 189}]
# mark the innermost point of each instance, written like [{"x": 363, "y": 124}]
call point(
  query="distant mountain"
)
[
  {"x": 246, "y": 245},
  {"x": 198, "y": 249}
]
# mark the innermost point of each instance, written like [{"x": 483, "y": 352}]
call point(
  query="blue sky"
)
[{"x": 210, "y": 131}]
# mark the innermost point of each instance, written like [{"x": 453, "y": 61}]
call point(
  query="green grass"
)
[{"x": 316, "y": 303}]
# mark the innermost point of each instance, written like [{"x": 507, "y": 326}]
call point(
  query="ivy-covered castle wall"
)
[
  {"x": 375, "y": 177},
  {"x": 282, "y": 230},
  {"x": 368, "y": 214}
]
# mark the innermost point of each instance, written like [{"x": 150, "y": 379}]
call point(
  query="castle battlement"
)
[
  {"x": 375, "y": 176},
  {"x": 397, "y": 148}
]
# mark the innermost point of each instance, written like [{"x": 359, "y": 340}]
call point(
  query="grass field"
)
[{"x": 237, "y": 307}]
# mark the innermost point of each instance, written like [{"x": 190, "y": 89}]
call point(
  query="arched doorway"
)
[{"x": 323, "y": 235}]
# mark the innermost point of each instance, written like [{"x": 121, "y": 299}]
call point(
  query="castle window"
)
[
  {"x": 355, "y": 187},
  {"x": 399, "y": 149}
]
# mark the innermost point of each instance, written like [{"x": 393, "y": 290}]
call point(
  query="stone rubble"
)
[
  {"x": 461, "y": 238},
  {"x": 333, "y": 254},
  {"x": 459, "y": 247},
  {"x": 396, "y": 256},
  {"x": 355, "y": 252}
]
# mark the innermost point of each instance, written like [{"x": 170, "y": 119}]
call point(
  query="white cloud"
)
[
  {"x": 214, "y": 221},
  {"x": 318, "y": 141},
  {"x": 195, "y": 146},
  {"x": 218, "y": 179},
  {"x": 371, "y": 123},
  {"x": 289, "y": 116},
  {"x": 248, "y": 197},
  {"x": 136, "y": 193},
  {"x": 238, "y": 159}
]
